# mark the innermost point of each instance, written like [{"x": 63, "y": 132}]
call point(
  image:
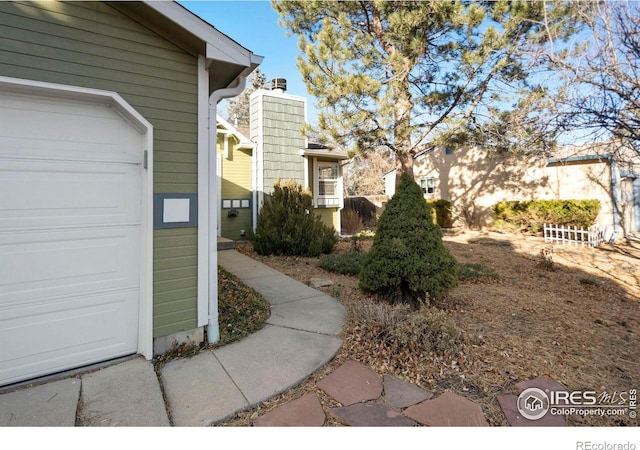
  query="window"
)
[
  {"x": 428, "y": 186},
  {"x": 328, "y": 187},
  {"x": 448, "y": 151}
]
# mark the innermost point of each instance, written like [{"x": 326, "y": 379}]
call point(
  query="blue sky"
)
[{"x": 254, "y": 25}]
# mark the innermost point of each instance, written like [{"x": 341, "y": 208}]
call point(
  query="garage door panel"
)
[
  {"x": 33, "y": 127},
  {"x": 37, "y": 266},
  {"x": 28, "y": 149},
  {"x": 79, "y": 331},
  {"x": 57, "y": 194},
  {"x": 70, "y": 232}
]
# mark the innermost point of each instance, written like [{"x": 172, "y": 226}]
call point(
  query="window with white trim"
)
[
  {"x": 328, "y": 184},
  {"x": 428, "y": 185}
]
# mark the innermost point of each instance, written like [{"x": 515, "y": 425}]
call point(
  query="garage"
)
[{"x": 74, "y": 232}]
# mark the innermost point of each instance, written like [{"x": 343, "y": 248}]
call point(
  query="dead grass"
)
[{"x": 523, "y": 323}]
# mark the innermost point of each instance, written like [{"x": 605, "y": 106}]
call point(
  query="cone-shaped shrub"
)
[
  {"x": 408, "y": 261},
  {"x": 287, "y": 225}
]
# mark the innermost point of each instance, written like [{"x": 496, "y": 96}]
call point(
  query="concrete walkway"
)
[{"x": 299, "y": 338}]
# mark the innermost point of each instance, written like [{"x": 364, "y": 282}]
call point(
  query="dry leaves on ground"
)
[{"x": 576, "y": 321}]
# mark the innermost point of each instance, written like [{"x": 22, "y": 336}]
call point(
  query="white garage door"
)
[{"x": 70, "y": 212}]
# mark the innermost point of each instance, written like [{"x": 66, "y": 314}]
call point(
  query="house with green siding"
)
[
  {"x": 277, "y": 121},
  {"x": 107, "y": 240},
  {"x": 236, "y": 178}
]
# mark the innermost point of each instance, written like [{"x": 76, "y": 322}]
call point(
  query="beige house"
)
[{"x": 474, "y": 180}]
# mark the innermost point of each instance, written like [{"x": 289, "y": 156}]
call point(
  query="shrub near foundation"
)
[
  {"x": 287, "y": 225},
  {"x": 408, "y": 261},
  {"x": 442, "y": 212},
  {"x": 530, "y": 215}
]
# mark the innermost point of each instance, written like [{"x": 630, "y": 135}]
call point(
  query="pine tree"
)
[
  {"x": 404, "y": 74},
  {"x": 408, "y": 261}
]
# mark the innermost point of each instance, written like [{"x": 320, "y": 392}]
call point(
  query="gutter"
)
[
  {"x": 614, "y": 198},
  {"x": 578, "y": 158}
]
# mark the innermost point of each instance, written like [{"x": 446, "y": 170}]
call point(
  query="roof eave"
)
[{"x": 228, "y": 59}]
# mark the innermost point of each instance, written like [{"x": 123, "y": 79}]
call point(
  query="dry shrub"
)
[
  {"x": 379, "y": 319},
  {"x": 546, "y": 259},
  {"x": 350, "y": 221},
  {"x": 425, "y": 330},
  {"x": 430, "y": 329}
]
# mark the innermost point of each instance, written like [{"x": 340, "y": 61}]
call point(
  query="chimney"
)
[{"x": 279, "y": 85}]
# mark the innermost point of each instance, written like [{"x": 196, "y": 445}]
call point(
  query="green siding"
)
[
  {"x": 282, "y": 138},
  {"x": 91, "y": 44}
]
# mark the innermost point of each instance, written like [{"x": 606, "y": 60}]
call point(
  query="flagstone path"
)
[{"x": 368, "y": 399}]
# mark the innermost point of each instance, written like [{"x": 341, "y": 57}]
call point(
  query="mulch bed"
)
[{"x": 572, "y": 316}]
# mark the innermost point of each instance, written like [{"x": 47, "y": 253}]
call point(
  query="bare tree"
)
[
  {"x": 363, "y": 174},
  {"x": 600, "y": 92}
]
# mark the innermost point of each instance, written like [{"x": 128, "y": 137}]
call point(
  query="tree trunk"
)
[
  {"x": 404, "y": 164},
  {"x": 402, "y": 116}
]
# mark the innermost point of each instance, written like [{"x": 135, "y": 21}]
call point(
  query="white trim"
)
[
  {"x": 305, "y": 159},
  {"x": 203, "y": 193},
  {"x": 265, "y": 92},
  {"x": 260, "y": 153},
  {"x": 219, "y": 184},
  {"x": 218, "y": 45},
  {"x": 316, "y": 182},
  {"x": 254, "y": 190},
  {"x": 323, "y": 200},
  {"x": 213, "y": 327},
  {"x": 228, "y": 129},
  {"x": 124, "y": 109}
]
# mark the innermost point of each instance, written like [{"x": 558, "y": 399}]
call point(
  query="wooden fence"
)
[{"x": 567, "y": 234}]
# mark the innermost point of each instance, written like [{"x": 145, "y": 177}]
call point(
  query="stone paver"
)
[
  {"x": 46, "y": 405},
  {"x": 546, "y": 384},
  {"x": 447, "y": 410},
  {"x": 402, "y": 394},
  {"x": 371, "y": 415},
  {"x": 318, "y": 283},
  {"x": 303, "y": 412},
  {"x": 352, "y": 382},
  {"x": 508, "y": 403}
]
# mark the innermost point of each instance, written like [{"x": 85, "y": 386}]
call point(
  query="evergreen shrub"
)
[
  {"x": 408, "y": 261},
  {"x": 531, "y": 215},
  {"x": 442, "y": 212},
  {"x": 287, "y": 225},
  {"x": 344, "y": 263}
]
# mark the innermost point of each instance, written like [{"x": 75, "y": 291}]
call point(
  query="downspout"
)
[
  {"x": 254, "y": 188},
  {"x": 213, "y": 330},
  {"x": 614, "y": 198}
]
